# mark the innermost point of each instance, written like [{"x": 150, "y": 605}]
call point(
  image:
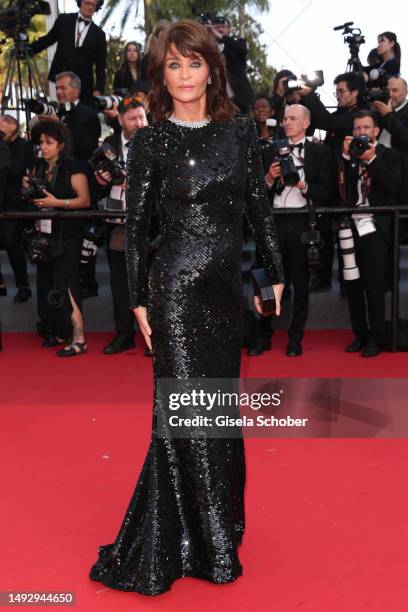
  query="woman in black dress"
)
[
  {"x": 129, "y": 71},
  {"x": 67, "y": 188},
  {"x": 186, "y": 516}
]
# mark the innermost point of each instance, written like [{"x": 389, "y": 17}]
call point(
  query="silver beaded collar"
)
[{"x": 189, "y": 124}]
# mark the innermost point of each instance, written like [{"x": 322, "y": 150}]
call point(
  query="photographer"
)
[
  {"x": 81, "y": 48},
  {"x": 369, "y": 176},
  {"x": 21, "y": 159},
  {"x": 310, "y": 166},
  {"x": 394, "y": 133},
  {"x": 390, "y": 52},
  {"x": 234, "y": 51},
  {"x": 350, "y": 88},
  {"x": 58, "y": 289},
  {"x": 132, "y": 116},
  {"x": 85, "y": 129}
]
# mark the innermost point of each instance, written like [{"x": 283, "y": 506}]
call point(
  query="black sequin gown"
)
[{"x": 186, "y": 516}]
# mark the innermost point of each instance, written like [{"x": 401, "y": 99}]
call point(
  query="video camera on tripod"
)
[
  {"x": 354, "y": 39},
  {"x": 16, "y": 18},
  {"x": 14, "y": 22}
]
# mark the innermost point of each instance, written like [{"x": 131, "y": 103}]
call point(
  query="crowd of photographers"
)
[{"x": 363, "y": 164}]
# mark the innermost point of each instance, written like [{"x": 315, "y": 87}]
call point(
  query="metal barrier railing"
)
[{"x": 398, "y": 212}]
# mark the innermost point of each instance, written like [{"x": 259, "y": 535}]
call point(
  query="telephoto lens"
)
[
  {"x": 346, "y": 242},
  {"x": 102, "y": 103}
]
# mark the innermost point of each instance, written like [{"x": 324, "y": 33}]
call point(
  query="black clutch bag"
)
[{"x": 264, "y": 290}]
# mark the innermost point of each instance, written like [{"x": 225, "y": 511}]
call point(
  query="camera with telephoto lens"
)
[
  {"x": 103, "y": 103},
  {"x": 45, "y": 108},
  {"x": 106, "y": 159},
  {"x": 290, "y": 174},
  {"x": 359, "y": 145},
  {"x": 312, "y": 79},
  {"x": 34, "y": 189}
]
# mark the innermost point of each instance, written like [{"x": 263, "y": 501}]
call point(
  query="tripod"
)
[
  {"x": 21, "y": 57},
  {"x": 354, "y": 64}
]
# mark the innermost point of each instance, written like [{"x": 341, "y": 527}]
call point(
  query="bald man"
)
[
  {"x": 394, "y": 124},
  {"x": 313, "y": 162}
]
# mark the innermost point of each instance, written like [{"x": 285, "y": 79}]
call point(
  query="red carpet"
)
[{"x": 326, "y": 519}]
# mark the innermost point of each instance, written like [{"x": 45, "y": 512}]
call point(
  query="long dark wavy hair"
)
[
  {"x": 124, "y": 66},
  {"x": 191, "y": 39}
]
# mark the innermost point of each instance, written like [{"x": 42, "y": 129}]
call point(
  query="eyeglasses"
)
[{"x": 339, "y": 92}]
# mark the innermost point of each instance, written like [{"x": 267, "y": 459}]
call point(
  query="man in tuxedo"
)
[
  {"x": 369, "y": 180},
  {"x": 349, "y": 90},
  {"x": 234, "y": 51},
  {"x": 131, "y": 117},
  {"x": 21, "y": 159},
  {"x": 313, "y": 163},
  {"x": 81, "y": 48},
  {"x": 394, "y": 133}
]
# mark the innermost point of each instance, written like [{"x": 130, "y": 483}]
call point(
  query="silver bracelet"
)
[{"x": 67, "y": 204}]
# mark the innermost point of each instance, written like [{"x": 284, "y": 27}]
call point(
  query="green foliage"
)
[
  {"x": 115, "y": 46},
  {"x": 36, "y": 29}
]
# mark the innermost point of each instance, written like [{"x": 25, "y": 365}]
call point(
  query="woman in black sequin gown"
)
[{"x": 186, "y": 516}]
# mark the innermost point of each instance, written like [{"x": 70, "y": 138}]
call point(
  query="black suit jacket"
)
[
  {"x": 386, "y": 176},
  {"x": 85, "y": 128},
  {"x": 338, "y": 124},
  {"x": 317, "y": 168},
  {"x": 397, "y": 125},
  {"x": 80, "y": 60},
  {"x": 21, "y": 159},
  {"x": 235, "y": 53},
  {"x": 4, "y": 167}
]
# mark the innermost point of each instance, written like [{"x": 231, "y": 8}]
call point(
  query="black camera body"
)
[
  {"x": 290, "y": 174},
  {"x": 106, "y": 159},
  {"x": 359, "y": 145},
  {"x": 35, "y": 188}
]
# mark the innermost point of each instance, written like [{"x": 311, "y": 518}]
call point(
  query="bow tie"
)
[
  {"x": 127, "y": 143},
  {"x": 84, "y": 20},
  {"x": 297, "y": 146}
]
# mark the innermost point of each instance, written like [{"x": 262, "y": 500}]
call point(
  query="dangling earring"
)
[
  {"x": 164, "y": 83},
  {"x": 209, "y": 80}
]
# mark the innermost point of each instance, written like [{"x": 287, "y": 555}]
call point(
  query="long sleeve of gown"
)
[
  {"x": 139, "y": 199},
  {"x": 259, "y": 213}
]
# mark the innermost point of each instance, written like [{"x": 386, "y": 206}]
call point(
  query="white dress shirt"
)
[
  {"x": 292, "y": 197},
  {"x": 81, "y": 30}
]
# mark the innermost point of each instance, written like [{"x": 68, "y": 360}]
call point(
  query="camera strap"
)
[{"x": 366, "y": 182}]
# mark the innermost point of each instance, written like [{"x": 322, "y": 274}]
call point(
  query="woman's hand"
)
[
  {"x": 141, "y": 317},
  {"x": 277, "y": 290},
  {"x": 48, "y": 201}
]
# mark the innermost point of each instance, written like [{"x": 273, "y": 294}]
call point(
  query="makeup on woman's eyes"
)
[{"x": 194, "y": 64}]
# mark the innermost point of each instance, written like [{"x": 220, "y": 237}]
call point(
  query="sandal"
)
[{"x": 71, "y": 349}]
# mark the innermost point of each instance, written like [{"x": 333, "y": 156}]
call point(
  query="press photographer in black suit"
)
[
  {"x": 369, "y": 180},
  {"x": 349, "y": 92},
  {"x": 131, "y": 117},
  {"x": 85, "y": 129},
  {"x": 21, "y": 159},
  {"x": 313, "y": 162},
  {"x": 81, "y": 48},
  {"x": 394, "y": 133},
  {"x": 234, "y": 51}
]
